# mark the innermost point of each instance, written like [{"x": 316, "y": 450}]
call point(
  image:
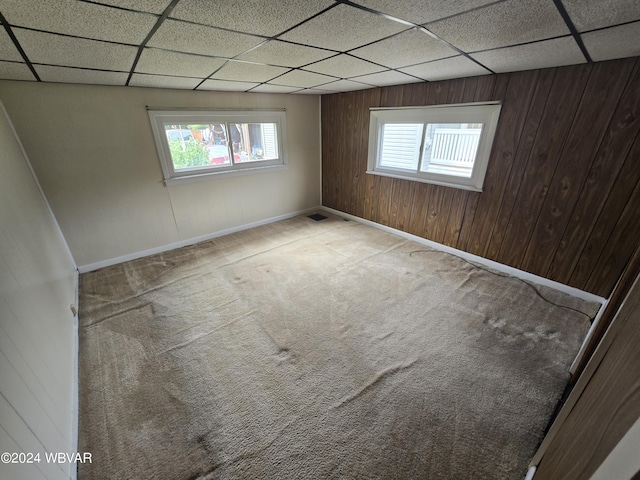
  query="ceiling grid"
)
[{"x": 315, "y": 47}]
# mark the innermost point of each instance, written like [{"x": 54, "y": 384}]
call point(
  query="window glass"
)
[
  {"x": 401, "y": 145},
  {"x": 443, "y": 144},
  {"x": 451, "y": 148},
  {"x": 254, "y": 142},
  {"x": 199, "y": 144}
]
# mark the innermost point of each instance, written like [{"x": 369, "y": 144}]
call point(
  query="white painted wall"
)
[
  {"x": 93, "y": 152},
  {"x": 37, "y": 329}
]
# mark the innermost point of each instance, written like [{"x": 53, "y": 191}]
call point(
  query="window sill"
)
[
  {"x": 443, "y": 182},
  {"x": 200, "y": 177}
]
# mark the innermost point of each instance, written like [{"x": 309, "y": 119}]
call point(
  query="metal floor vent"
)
[{"x": 317, "y": 217}]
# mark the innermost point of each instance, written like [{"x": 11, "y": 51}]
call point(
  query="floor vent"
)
[{"x": 317, "y": 217}]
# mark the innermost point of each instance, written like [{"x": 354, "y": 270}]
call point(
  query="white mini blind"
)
[
  {"x": 400, "y": 145},
  {"x": 269, "y": 140}
]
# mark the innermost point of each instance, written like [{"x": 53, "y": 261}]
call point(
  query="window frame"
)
[
  {"x": 487, "y": 113},
  {"x": 161, "y": 117}
]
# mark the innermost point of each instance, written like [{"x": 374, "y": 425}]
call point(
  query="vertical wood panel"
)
[
  {"x": 550, "y": 205},
  {"x": 516, "y": 101},
  {"x": 527, "y": 138},
  {"x": 626, "y": 231},
  {"x": 579, "y": 151},
  {"x": 456, "y": 216},
  {"x": 404, "y": 208},
  {"x": 560, "y": 109}
]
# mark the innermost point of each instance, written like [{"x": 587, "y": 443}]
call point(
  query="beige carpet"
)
[{"x": 317, "y": 350}]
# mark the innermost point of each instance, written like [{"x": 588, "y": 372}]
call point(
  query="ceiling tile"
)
[
  {"x": 251, "y": 16},
  {"x": 76, "y": 75},
  {"x": 590, "y": 14},
  {"x": 455, "y": 67},
  {"x": 54, "y": 49},
  {"x": 343, "y": 28},
  {"x": 390, "y": 77},
  {"x": 502, "y": 24},
  {"x": 142, "y": 80},
  {"x": 274, "y": 89},
  {"x": 614, "y": 42},
  {"x": 344, "y": 66},
  {"x": 8, "y": 50},
  {"x": 186, "y": 37},
  {"x": 153, "y": 6},
  {"x": 15, "y": 71},
  {"x": 248, "y": 72},
  {"x": 300, "y": 78},
  {"x": 408, "y": 48},
  {"x": 226, "y": 85},
  {"x": 345, "y": 86},
  {"x": 164, "y": 62},
  {"x": 80, "y": 19},
  {"x": 312, "y": 91},
  {"x": 285, "y": 54},
  {"x": 545, "y": 54},
  {"x": 417, "y": 12}
]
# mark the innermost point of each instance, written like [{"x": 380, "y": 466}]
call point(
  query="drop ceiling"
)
[{"x": 304, "y": 46}]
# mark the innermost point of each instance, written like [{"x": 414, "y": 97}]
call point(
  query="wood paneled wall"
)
[{"x": 561, "y": 198}]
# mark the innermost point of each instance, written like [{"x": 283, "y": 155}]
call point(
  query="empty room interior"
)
[{"x": 320, "y": 239}]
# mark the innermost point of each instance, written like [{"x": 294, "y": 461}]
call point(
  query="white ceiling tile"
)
[
  {"x": 345, "y": 86},
  {"x": 390, "y": 77},
  {"x": 455, "y": 67},
  {"x": 285, "y": 54},
  {"x": 164, "y": 62},
  {"x": 344, "y": 66},
  {"x": 274, "y": 89},
  {"x": 590, "y": 14},
  {"x": 76, "y": 75},
  {"x": 407, "y": 48},
  {"x": 549, "y": 53},
  {"x": 417, "y": 11},
  {"x": 153, "y": 6},
  {"x": 502, "y": 24},
  {"x": 15, "y": 71},
  {"x": 54, "y": 49},
  {"x": 186, "y": 37},
  {"x": 312, "y": 91},
  {"x": 250, "y": 16},
  {"x": 614, "y": 42},
  {"x": 226, "y": 85},
  {"x": 343, "y": 28},
  {"x": 299, "y": 78},
  {"x": 159, "y": 81},
  {"x": 248, "y": 72},
  {"x": 8, "y": 50},
  {"x": 79, "y": 19}
]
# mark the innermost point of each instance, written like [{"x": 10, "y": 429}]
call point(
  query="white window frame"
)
[
  {"x": 486, "y": 113},
  {"x": 161, "y": 117}
]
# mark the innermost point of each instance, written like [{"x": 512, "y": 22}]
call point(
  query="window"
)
[
  {"x": 200, "y": 144},
  {"x": 443, "y": 144}
]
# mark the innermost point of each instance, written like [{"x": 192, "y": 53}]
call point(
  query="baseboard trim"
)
[
  {"x": 190, "y": 241},
  {"x": 530, "y": 277}
]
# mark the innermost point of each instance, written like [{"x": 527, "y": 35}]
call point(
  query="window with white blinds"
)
[{"x": 447, "y": 145}]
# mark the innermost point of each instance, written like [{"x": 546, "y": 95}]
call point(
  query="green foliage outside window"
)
[{"x": 186, "y": 154}]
